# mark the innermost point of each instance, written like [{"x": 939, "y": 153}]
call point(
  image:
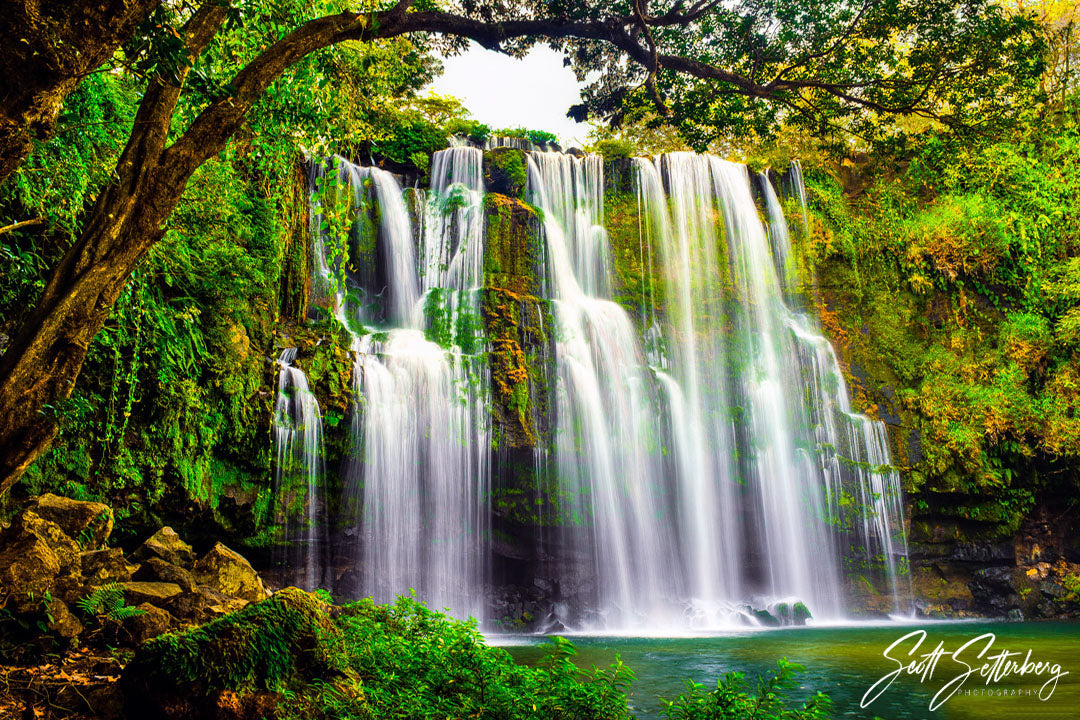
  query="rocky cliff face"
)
[{"x": 930, "y": 346}]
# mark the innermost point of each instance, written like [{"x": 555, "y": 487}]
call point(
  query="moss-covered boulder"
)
[
  {"x": 239, "y": 665},
  {"x": 505, "y": 171},
  {"x": 36, "y": 556}
]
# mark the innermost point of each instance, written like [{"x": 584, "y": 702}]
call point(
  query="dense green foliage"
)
[
  {"x": 733, "y": 699},
  {"x": 367, "y": 661},
  {"x": 822, "y": 65},
  {"x": 952, "y": 280},
  {"x": 171, "y": 406},
  {"x": 363, "y": 660}
]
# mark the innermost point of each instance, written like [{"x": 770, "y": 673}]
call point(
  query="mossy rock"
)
[
  {"x": 37, "y": 561},
  {"x": 229, "y": 573},
  {"x": 505, "y": 171},
  {"x": 513, "y": 254},
  {"x": 519, "y": 354},
  {"x": 87, "y": 523},
  {"x": 167, "y": 545},
  {"x": 249, "y": 658},
  {"x": 801, "y": 613},
  {"x": 766, "y": 618}
]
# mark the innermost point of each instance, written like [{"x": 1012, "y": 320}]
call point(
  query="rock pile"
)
[{"x": 54, "y": 555}]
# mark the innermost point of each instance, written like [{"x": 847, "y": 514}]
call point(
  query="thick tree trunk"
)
[
  {"x": 40, "y": 368},
  {"x": 48, "y": 47}
]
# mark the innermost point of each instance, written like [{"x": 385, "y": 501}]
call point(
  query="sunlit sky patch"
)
[{"x": 534, "y": 92}]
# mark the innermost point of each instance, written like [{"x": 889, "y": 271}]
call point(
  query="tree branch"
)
[
  {"x": 21, "y": 224},
  {"x": 836, "y": 43}
]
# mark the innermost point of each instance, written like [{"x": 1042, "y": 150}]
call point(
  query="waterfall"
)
[
  {"x": 693, "y": 335},
  {"x": 418, "y": 480},
  {"x": 714, "y": 451},
  {"x": 422, "y": 484},
  {"x": 298, "y": 470},
  {"x": 703, "y": 452}
]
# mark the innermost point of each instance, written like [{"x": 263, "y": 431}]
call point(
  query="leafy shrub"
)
[
  {"x": 505, "y": 171},
  {"x": 734, "y": 700},
  {"x": 536, "y": 137},
  {"x": 412, "y": 136},
  {"x": 475, "y": 131},
  {"x": 364, "y": 661},
  {"x": 614, "y": 149},
  {"x": 414, "y": 662}
]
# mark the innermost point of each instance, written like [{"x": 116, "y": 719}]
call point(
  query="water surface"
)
[{"x": 845, "y": 661}]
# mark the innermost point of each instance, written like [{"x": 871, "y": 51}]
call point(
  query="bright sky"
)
[{"x": 534, "y": 92}]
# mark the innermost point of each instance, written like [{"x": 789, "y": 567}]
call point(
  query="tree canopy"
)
[{"x": 204, "y": 73}]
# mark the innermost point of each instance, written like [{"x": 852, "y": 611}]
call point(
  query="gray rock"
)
[
  {"x": 985, "y": 552},
  {"x": 156, "y": 569}
]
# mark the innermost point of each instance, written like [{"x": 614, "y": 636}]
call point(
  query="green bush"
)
[
  {"x": 410, "y": 137},
  {"x": 536, "y": 137},
  {"x": 293, "y": 656},
  {"x": 475, "y": 131},
  {"x": 614, "y": 149},
  {"x": 733, "y": 699}
]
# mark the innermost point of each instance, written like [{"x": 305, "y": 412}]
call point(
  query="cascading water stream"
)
[
  {"x": 702, "y": 438},
  {"x": 418, "y": 479},
  {"x": 716, "y": 474},
  {"x": 606, "y": 440},
  {"x": 298, "y": 473}
]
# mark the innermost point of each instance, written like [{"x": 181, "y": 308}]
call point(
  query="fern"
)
[
  {"x": 107, "y": 601},
  {"x": 124, "y": 612}
]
